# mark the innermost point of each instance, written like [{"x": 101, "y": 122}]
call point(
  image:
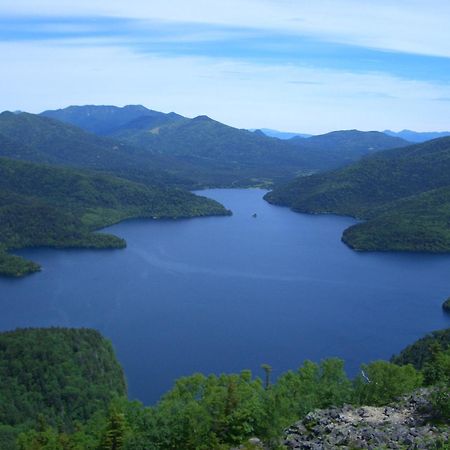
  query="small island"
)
[{"x": 446, "y": 306}]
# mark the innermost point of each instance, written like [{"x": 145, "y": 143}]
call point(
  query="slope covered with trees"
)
[
  {"x": 216, "y": 154},
  {"x": 340, "y": 148},
  {"x": 104, "y": 120},
  {"x": 36, "y": 138},
  {"x": 404, "y": 195},
  {"x": 61, "y": 382},
  {"x": 41, "y": 205},
  {"x": 55, "y": 377}
]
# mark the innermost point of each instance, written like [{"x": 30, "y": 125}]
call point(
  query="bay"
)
[{"x": 222, "y": 294}]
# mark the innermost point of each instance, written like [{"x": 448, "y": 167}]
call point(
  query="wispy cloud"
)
[
  {"x": 411, "y": 26},
  {"x": 219, "y": 41}
]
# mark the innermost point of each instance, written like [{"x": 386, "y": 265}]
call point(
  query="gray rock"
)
[{"x": 400, "y": 425}]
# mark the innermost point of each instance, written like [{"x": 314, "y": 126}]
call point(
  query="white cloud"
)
[
  {"x": 238, "y": 93},
  {"x": 412, "y": 26}
]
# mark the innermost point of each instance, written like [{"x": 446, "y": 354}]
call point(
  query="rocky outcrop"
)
[{"x": 403, "y": 425}]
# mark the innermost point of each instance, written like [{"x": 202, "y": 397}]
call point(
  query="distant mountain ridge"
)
[
  {"x": 102, "y": 120},
  {"x": 415, "y": 136},
  {"x": 280, "y": 134},
  {"x": 352, "y": 145},
  {"x": 216, "y": 154}
]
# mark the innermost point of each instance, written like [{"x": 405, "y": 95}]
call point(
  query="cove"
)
[{"x": 222, "y": 294}]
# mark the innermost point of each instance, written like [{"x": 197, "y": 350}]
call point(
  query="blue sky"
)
[{"x": 306, "y": 66}]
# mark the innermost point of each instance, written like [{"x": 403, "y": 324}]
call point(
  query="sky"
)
[{"x": 308, "y": 66}]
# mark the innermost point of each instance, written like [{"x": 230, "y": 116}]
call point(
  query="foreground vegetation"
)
[
  {"x": 42, "y": 205},
  {"x": 62, "y": 389},
  {"x": 403, "y": 195}
]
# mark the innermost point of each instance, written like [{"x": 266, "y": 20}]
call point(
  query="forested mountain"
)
[
  {"x": 208, "y": 142},
  {"x": 58, "y": 383},
  {"x": 403, "y": 193},
  {"x": 416, "y": 136},
  {"x": 42, "y": 205},
  {"x": 55, "y": 377},
  {"x": 339, "y": 148},
  {"x": 105, "y": 120},
  {"x": 37, "y": 138},
  {"x": 214, "y": 154}
]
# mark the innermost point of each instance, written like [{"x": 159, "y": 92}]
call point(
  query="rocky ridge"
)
[{"x": 406, "y": 424}]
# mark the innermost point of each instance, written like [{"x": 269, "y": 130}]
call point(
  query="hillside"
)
[
  {"x": 218, "y": 154},
  {"x": 54, "y": 377},
  {"x": 339, "y": 148},
  {"x": 206, "y": 143},
  {"x": 42, "y": 205},
  {"x": 104, "y": 120},
  {"x": 31, "y": 137},
  {"x": 214, "y": 154},
  {"x": 404, "y": 194},
  {"x": 423, "y": 350}
]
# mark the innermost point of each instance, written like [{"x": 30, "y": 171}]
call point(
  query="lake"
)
[{"x": 222, "y": 294}]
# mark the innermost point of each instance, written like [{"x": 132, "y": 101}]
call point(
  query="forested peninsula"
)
[{"x": 48, "y": 206}]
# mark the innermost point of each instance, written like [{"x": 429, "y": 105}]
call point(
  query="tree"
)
[
  {"x": 114, "y": 435},
  {"x": 387, "y": 382},
  {"x": 267, "y": 371}
]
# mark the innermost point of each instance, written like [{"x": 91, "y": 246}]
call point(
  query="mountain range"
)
[
  {"x": 400, "y": 189},
  {"x": 215, "y": 154},
  {"x": 415, "y": 136},
  {"x": 408, "y": 135}
]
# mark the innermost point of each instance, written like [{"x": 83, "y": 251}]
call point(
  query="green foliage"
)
[
  {"x": 422, "y": 352},
  {"x": 404, "y": 194},
  {"x": 56, "y": 376},
  {"x": 437, "y": 373},
  {"x": 59, "y": 207},
  {"x": 60, "y": 382},
  {"x": 446, "y": 305},
  {"x": 210, "y": 153},
  {"x": 114, "y": 435},
  {"x": 338, "y": 148},
  {"x": 312, "y": 386},
  {"x": 387, "y": 382},
  {"x": 35, "y": 138}
]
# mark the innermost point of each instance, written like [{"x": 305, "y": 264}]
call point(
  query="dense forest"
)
[
  {"x": 31, "y": 137},
  {"x": 404, "y": 195},
  {"x": 214, "y": 154},
  {"x": 63, "y": 389},
  {"x": 42, "y": 205}
]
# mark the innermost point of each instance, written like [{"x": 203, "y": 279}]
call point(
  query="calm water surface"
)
[{"x": 222, "y": 294}]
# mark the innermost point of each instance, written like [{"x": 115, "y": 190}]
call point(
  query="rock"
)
[{"x": 397, "y": 426}]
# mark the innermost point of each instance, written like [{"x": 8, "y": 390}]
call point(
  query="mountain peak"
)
[{"x": 202, "y": 118}]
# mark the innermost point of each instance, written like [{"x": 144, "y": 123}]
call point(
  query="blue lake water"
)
[{"x": 222, "y": 294}]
